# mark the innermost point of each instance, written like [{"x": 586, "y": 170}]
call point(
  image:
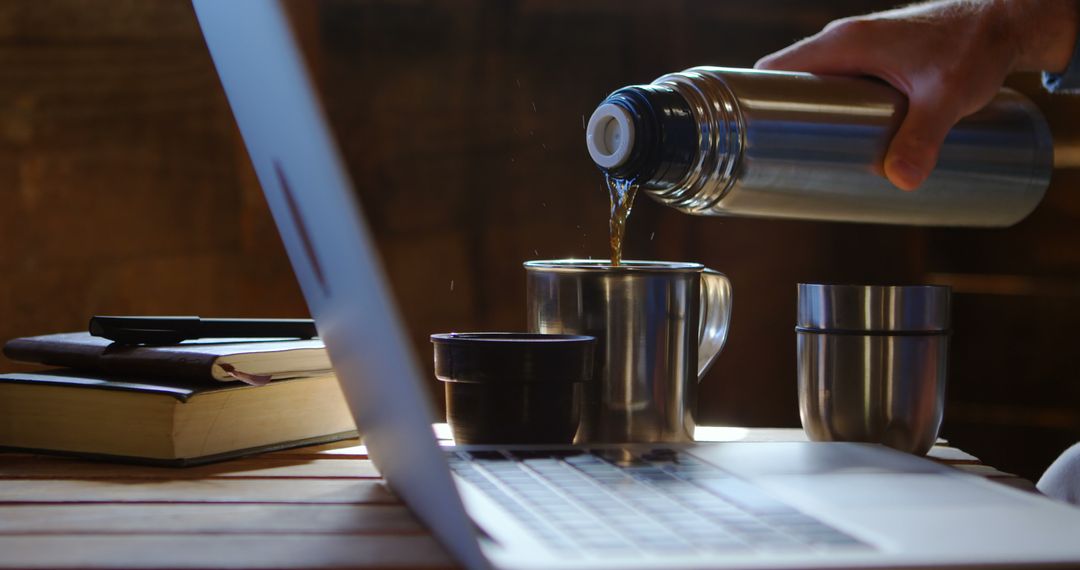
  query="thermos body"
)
[{"x": 719, "y": 141}]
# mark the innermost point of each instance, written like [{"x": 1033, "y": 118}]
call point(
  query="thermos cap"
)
[
  {"x": 873, "y": 308},
  {"x": 610, "y": 136}
]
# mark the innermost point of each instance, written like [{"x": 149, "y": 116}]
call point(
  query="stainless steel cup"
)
[
  {"x": 872, "y": 363},
  {"x": 658, "y": 326}
]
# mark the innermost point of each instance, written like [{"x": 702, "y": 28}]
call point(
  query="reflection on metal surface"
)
[
  {"x": 738, "y": 142},
  {"x": 872, "y": 363},
  {"x": 654, "y": 334},
  {"x": 884, "y": 389},
  {"x": 876, "y": 308},
  {"x": 775, "y": 105}
]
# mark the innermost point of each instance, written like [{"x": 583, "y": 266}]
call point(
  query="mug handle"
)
[{"x": 715, "y": 318}]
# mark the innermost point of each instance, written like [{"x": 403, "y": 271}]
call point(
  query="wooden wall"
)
[
  {"x": 124, "y": 187},
  {"x": 126, "y": 190}
]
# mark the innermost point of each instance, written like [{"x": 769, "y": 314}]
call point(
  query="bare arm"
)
[{"x": 949, "y": 57}]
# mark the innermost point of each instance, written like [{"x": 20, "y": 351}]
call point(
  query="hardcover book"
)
[{"x": 170, "y": 422}]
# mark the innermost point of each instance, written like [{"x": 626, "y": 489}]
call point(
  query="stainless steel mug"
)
[
  {"x": 872, "y": 363},
  {"x": 658, "y": 326}
]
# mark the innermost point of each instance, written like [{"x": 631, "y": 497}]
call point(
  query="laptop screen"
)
[{"x": 326, "y": 238}]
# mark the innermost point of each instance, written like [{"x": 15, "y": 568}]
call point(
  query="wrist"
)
[{"x": 1042, "y": 33}]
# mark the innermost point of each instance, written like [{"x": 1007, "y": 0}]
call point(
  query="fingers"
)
[
  {"x": 860, "y": 46},
  {"x": 914, "y": 149},
  {"x": 843, "y": 47}
]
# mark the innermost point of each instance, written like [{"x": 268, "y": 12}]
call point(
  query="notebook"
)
[
  {"x": 254, "y": 361},
  {"x": 900, "y": 511}
]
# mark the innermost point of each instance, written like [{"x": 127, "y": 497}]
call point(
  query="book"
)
[
  {"x": 248, "y": 360},
  {"x": 171, "y": 422}
]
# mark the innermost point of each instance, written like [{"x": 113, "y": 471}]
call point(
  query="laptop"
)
[{"x": 723, "y": 505}]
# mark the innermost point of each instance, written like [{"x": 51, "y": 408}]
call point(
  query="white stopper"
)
[{"x": 610, "y": 135}]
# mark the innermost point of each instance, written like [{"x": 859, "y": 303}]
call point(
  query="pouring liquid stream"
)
[{"x": 622, "y": 193}]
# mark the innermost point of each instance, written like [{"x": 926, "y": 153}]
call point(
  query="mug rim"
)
[
  {"x": 873, "y": 308},
  {"x": 500, "y": 337},
  {"x": 604, "y": 265}
]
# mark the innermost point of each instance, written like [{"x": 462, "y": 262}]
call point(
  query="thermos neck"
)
[{"x": 645, "y": 133}]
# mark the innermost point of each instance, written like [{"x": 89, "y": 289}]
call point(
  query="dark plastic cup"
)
[{"x": 513, "y": 388}]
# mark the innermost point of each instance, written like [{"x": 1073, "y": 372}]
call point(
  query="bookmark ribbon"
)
[{"x": 253, "y": 379}]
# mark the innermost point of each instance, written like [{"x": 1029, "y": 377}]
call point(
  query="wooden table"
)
[{"x": 313, "y": 507}]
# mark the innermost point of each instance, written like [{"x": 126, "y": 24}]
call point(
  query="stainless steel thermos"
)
[{"x": 720, "y": 141}]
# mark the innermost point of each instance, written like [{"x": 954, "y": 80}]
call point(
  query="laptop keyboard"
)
[{"x": 662, "y": 501}]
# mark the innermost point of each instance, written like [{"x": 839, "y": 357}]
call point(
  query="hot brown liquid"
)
[{"x": 622, "y": 200}]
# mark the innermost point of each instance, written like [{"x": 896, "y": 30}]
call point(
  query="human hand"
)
[{"x": 949, "y": 57}]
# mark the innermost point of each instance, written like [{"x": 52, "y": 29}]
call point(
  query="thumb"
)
[{"x": 914, "y": 149}]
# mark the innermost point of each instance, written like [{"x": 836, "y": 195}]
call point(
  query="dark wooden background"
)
[{"x": 125, "y": 189}]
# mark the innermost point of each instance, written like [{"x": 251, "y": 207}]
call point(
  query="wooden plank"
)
[
  {"x": 229, "y": 551},
  {"x": 43, "y": 467},
  {"x": 206, "y": 519},
  {"x": 348, "y": 448},
  {"x": 354, "y": 451},
  {"x": 1017, "y": 483},
  {"x": 225, "y": 490},
  {"x": 951, "y": 455},
  {"x": 998, "y": 476},
  {"x": 985, "y": 471}
]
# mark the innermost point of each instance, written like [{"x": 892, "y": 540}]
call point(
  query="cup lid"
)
[
  {"x": 873, "y": 308},
  {"x": 507, "y": 357}
]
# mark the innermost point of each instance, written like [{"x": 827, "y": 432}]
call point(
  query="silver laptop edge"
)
[
  {"x": 311, "y": 199},
  {"x": 915, "y": 513}
]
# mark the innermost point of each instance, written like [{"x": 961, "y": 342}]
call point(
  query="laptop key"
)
[
  {"x": 653, "y": 503},
  {"x": 746, "y": 496},
  {"x": 795, "y": 519},
  {"x": 488, "y": 455},
  {"x": 724, "y": 547},
  {"x": 835, "y": 538},
  {"x": 523, "y": 454},
  {"x": 662, "y": 548},
  {"x": 782, "y": 545},
  {"x": 605, "y": 544}
]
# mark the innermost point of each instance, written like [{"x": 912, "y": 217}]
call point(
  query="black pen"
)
[{"x": 172, "y": 330}]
